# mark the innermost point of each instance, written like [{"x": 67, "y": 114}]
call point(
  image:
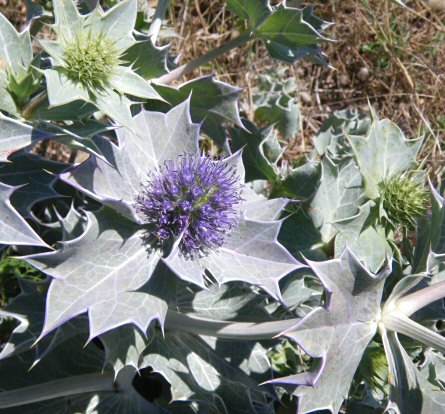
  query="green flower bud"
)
[
  {"x": 90, "y": 60},
  {"x": 404, "y": 198}
]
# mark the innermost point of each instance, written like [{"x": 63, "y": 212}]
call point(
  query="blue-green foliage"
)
[{"x": 303, "y": 283}]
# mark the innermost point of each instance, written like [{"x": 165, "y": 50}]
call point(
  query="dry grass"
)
[{"x": 394, "y": 57}]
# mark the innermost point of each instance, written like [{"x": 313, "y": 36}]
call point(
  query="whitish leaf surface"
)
[
  {"x": 155, "y": 137},
  {"x": 252, "y": 254},
  {"x": 108, "y": 272},
  {"x": 15, "y": 48},
  {"x": 13, "y": 227},
  {"x": 337, "y": 334},
  {"x": 197, "y": 372},
  {"x": 15, "y": 135},
  {"x": 366, "y": 241},
  {"x": 383, "y": 153},
  {"x": 211, "y": 103},
  {"x": 338, "y": 196},
  {"x": 411, "y": 391}
]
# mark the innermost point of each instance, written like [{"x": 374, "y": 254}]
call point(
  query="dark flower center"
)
[{"x": 191, "y": 200}]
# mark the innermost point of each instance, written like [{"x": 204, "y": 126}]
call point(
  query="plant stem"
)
[
  {"x": 58, "y": 388},
  {"x": 32, "y": 105},
  {"x": 156, "y": 23},
  {"x": 398, "y": 322},
  {"x": 177, "y": 321},
  {"x": 412, "y": 303},
  {"x": 202, "y": 60}
]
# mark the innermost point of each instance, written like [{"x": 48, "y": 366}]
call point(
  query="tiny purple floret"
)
[{"x": 191, "y": 198}]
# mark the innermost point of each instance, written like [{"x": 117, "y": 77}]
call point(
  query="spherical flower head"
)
[
  {"x": 90, "y": 59},
  {"x": 191, "y": 199},
  {"x": 404, "y": 198}
]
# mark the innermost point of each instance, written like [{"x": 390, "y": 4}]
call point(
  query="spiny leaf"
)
[
  {"x": 337, "y": 334},
  {"x": 254, "y": 11},
  {"x": 211, "y": 103},
  {"x": 338, "y": 197},
  {"x": 13, "y": 227},
  {"x": 383, "y": 153},
  {"x": 108, "y": 272}
]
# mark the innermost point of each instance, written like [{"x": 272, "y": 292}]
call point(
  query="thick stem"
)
[
  {"x": 33, "y": 104},
  {"x": 157, "y": 20},
  {"x": 177, "y": 321},
  {"x": 396, "y": 321},
  {"x": 410, "y": 304},
  {"x": 58, "y": 388},
  {"x": 202, "y": 60}
]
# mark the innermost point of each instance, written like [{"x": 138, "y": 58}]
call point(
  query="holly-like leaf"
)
[
  {"x": 275, "y": 103},
  {"x": 337, "y": 334},
  {"x": 252, "y": 254},
  {"x": 155, "y": 137},
  {"x": 15, "y": 135},
  {"x": 261, "y": 150},
  {"x": 254, "y": 11},
  {"x": 149, "y": 61},
  {"x": 13, "y": 227},
  {"x": 211, "y": 103},
  {"x": 366, "y": 241},
  {"x": 332, "y": 141},
  {"x": 383, "y": 153},
  {"x": 108, "y": 272},
  {"x": 290, "y": 34},
  {"x": 338, "y": 197}
]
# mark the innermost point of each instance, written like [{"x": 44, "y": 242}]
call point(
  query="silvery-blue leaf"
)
[
  {"x": 252, "y": 254},
  {"x": 337, "y": 334},
  {"x": 367, "y": 241},
  {"x": 338, "y": 196},
  {"x": 108, "y": 272},
  {"x": 15, "y": 135},
  {"x": 382, "y": 153},
  {"x": 155, "y": 137},
  {"x": 254, "y": 11},
  {"x": 13, "y": 227}
]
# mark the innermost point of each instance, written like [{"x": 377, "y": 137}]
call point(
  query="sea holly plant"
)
[{"x": 166, "y": 274}]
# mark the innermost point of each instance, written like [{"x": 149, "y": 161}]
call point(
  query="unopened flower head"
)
[
  {"x": 191, "y": 199},
  {"x": 90, "y": 59},
  {"x": 404, "y": 198}
]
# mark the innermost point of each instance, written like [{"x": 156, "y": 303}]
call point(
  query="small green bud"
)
[
  {"x": 90, "y": 60},
  {"x": 404, "y": 198}
]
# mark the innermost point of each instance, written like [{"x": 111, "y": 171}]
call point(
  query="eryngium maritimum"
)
[{"x": 192, "y": 200}]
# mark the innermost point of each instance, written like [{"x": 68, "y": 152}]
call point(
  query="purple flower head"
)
[{"x": 192, "y": 200}]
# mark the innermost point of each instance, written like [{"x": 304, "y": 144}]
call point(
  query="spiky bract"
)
[
  {"x": 404, "y": 198},
  {"x": 90, "y": 60}
]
